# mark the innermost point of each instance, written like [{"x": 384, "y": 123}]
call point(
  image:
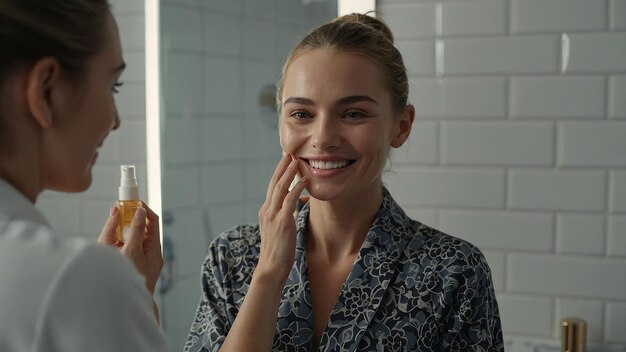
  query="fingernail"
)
[
  {"x": 113, "y": 210},
  {"x": 140, "y": 214}
]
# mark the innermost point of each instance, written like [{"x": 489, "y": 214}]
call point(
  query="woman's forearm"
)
[{"x": 254, "y": 327}]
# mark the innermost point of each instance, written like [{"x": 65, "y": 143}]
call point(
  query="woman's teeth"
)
[{"x": 328, "y": 165}]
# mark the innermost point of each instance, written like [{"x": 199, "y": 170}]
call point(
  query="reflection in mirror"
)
[{"x": 220, "y": 61}]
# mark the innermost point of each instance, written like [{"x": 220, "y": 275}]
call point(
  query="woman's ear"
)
[
  {"x": 404, "y": 126},
  {"x": 43, "y": 77}
]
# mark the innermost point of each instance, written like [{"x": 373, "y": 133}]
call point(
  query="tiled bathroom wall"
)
[{"x": 519, "y": 146}]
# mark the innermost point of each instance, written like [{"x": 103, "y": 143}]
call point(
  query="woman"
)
[
  {"x": 352, "y": 272},
  {"x": 60, "y": 61}
]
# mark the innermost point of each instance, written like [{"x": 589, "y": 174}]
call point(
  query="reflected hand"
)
[
  {"x": 277, "y": 224},
  {"x": 143, "y": 246}
]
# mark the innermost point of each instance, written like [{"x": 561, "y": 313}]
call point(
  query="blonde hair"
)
[{"x": 358, "y": 34}]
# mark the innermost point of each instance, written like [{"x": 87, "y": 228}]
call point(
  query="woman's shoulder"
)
[{"x": 240, "y": 243}]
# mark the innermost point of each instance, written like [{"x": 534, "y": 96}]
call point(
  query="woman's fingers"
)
[
  {"x": 278, "y": 174},
  {"x": 107, "y": 235},
  {"x": 282, "y": 186},
  {"x": 291, "y": 200},
  {"x": 136, "y": 232}
]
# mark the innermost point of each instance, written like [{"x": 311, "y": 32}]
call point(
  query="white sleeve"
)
[{"x": 99, "y": 302}]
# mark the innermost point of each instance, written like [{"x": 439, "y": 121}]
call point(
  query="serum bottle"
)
[{"x": 128, "y": 202}]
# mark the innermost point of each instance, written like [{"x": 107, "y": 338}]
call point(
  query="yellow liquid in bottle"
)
[{"x": 127, "y": 209}]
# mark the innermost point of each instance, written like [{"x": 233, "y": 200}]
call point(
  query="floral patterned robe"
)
[{"x": 412, "y": 288}]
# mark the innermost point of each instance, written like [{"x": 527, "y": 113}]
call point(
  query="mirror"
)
[{"x": 220, "y": 61}]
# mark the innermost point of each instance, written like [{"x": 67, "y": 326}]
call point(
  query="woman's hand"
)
[
  {"x": 143, "y": 246},
  {"x": 277, "y": 224}
]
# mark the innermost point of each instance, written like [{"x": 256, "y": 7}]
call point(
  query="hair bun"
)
[{"x": 368, "y": 21}]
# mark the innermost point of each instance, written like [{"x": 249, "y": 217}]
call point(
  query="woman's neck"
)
[{"x": 337, "y": 228}]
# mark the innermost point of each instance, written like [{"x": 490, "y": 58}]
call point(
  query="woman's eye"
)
[
  {"x": 116, "y": 86},
  {"x": 299, "y": 114},
  {"x": 353, "y": 115}
]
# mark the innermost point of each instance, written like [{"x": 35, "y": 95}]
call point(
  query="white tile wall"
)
[
  {"x": 597, "y": 52},
  {"x": 474, "y": 18},
  {"x": 592, "y": 144},
  {"x": 581, "y": 234},
  {"x": 557, "y": 190},
  {"x": 501, "y": 55},
  {"x": 617, "y": 92},
  {"x": 618, "y": 9},
  {"x": 618, "y": 191},
  {"x": 558, "y": 97},
  {"x": 544, "y": 102},
  {"x": 497, "y": 143},
  {"x": 617, "y": 235},
  {"x": 421, "y": 147},
  {"x": 558, "y": 15},
  {"x": 615, "y": 317},
  {"x": 483, "y": 97},
  {"x": 498, "y": 230}
]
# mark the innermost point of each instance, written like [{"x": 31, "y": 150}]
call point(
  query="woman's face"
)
[
  {"x": 83, "y": 119},
  {"x": 338, "y": 120}
]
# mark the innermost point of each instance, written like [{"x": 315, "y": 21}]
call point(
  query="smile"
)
[{"x": 329, "y": 165}]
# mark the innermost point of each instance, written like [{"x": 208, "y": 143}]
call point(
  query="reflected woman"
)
[{"x": 352, "y": 271}]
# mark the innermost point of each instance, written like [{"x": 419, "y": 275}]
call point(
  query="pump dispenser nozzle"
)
[{"x": 128, "y": 202}]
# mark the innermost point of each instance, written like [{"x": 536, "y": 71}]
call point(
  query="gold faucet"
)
[{"x": 573, "y": 335}]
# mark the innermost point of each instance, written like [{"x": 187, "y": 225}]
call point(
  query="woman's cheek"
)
[{"x": 287, "y": 136}]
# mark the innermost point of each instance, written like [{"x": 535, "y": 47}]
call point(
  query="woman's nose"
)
[
  {"x": 325, "y": 134},
  {"x": 116, "y": 121}
]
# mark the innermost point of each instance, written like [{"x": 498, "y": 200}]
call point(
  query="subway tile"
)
[
  {"x": 501, "y": 230},
  {"x": 497, "y": 143},
  {"x": 127, "y": 6},
  {"x": 258, "y": 39},
  {"x": 181, "y": 28},
  {"x": 516, "y": 311},
  {"x": 257, "y": 177},
  {"x": 597, "y": 52},
  {"x": 558, "y": 97},
  {"x": 617, "y": 236},
  {"x": 456, "y": 187},
  {"x": 497, "y": 265},
  {"x": 183, "y": 84},
  {"x": 223, "y": 80},
  {"x": 131, "y": 101},
  {"x": 581, "y": 234},
  {"x": 189, "y": 237},
  {"x": 224, "y": 217},
  {"x": 230, "y": 6},
  {"x": 180, "y": 139},
  {"x": 222, "y": 183},
  {"x": 617, "y": 191},
  {"x": 474, "y": 18},
  {"x": 257, "y": 76},
  {"x": 94, "y": 214},
  {"x": 615, "y": 322},
  {"x": 287, "y": 37},
  {"x": 591, "y": 311},
  {"x": 420, "y": 148},
  {"x": 132, "y": 30},
  {"x": 133, "y": 142},
  {"x": 557, "y": 190},
  {"x": 135, "y": 66},
  {"x": 557, "y": 15},
  {"x": 251, "y": 211},
  {"x": 617, "y": 92},
  {"x": 260, "y": 136},
  {"x": 483, "y": 97},
  {"x": 618, "y": 14},
  {"x": 218, "y": 40},
  {"x": 418, "y": 55},
  {"x": 566, "y": 275},
  {"x": 501, "y": 55},
  {"x": 259, "y": 9},
  {"x": 63, "y": 214},
  {"x": 181, "y": 186},
  {"x": 592, "y": 144},
  {"x": 178, "y": 307},
  {"x": 221, "y": 139},
  {"x": 109, "y": 152},
  {"x": 106, "y": 180},
  {"x": 409, "y": 20}
]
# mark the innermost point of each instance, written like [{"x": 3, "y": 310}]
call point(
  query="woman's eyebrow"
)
[
  {"x": 298, "y": 100},
  {"x": 355, "y": 99}
]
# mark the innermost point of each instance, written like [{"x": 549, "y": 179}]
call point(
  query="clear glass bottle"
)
[{"x": 128, "y": 202}]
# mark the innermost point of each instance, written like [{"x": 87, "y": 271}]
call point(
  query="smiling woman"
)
[{"x": 352, "y": 271}]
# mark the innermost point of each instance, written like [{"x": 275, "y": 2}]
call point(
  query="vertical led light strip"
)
[
  {"x": 153, "y": 107},
  {"x": 359, "y": 6}
]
